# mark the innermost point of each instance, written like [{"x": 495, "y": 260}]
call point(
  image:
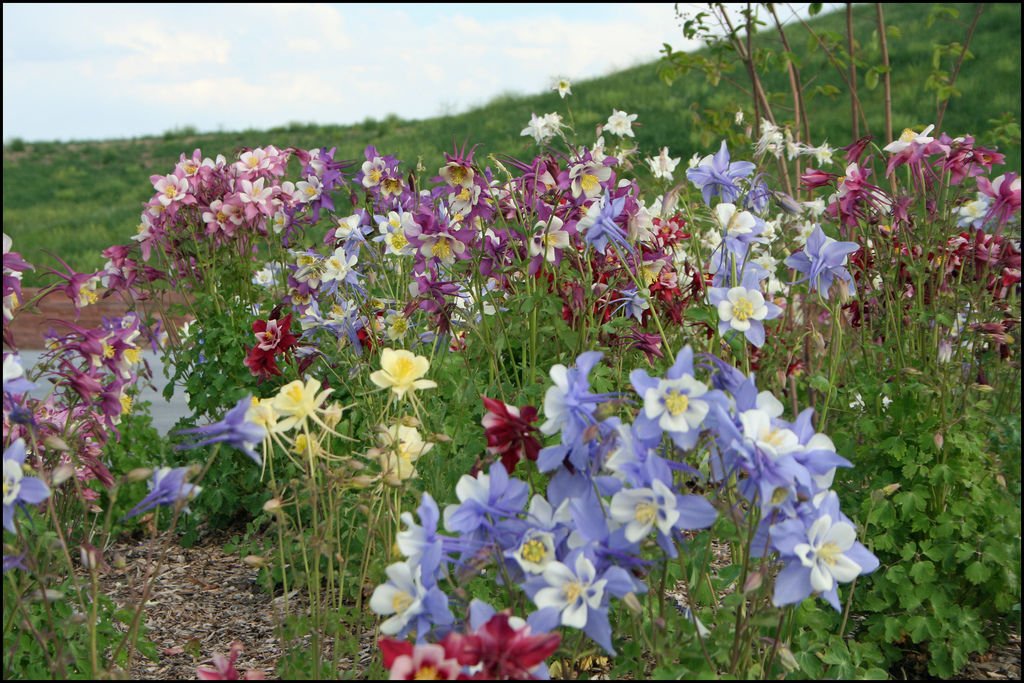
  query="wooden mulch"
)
[{"x": 203, "y": 599}]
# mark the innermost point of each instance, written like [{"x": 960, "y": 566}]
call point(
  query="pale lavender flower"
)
[
  {"x": 167, "y": 487},
  {"x": 236, "y": 429},
  {"x": 716, "y": 176},
  {"x": 822, "y": 260}
]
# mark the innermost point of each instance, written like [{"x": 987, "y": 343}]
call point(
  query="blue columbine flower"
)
[
  {"x": 822, "y": 260},
  {"x": 599, "y": 226},
  {"x": 19, "y": 489},
  {"x": 820, "y": 551},
  {"x": 716, "y": 176},
  {"x": 235, "y": 430},
  {"x": 168, "y": 487}
]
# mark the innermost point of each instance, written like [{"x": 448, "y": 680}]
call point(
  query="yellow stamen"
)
[
  {"x": 645, "y": 512},
  {"x": 534, "y": 551},
  {"x": 677, "y": 403},
  {"x": 742, "y": 309}
]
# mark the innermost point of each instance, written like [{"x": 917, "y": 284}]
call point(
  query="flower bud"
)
[
  {"x": 633, "y": 603},
  {"x": 61, "y": 474},
  {"x": 332, "y": 415},
  {"x": 254, "y": 561},
  {"x": 140, "y": 474},
  {"x": 273, "y": 506},
  {"x": 56, "y": 443}
]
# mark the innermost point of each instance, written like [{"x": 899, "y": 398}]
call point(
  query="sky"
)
[{"x": 87, "y": 72}]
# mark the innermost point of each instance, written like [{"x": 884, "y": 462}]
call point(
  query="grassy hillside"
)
[{"x": 77, "y": 198}]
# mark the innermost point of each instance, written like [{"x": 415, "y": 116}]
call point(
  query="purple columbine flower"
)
[
  {"x": 167, "y": 487},
  {"x": 822, "y": 260},
  {"x": 716, "y": 176},
  {"x": 19, "y": 489},
  {"x": 235, "y": 430}
]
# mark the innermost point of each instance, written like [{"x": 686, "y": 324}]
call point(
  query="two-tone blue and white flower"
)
[{"x": 19, "y": 489}]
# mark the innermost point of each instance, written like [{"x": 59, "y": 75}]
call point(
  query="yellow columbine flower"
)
[
  {"x": 297, "y": 401},
  {"x": 401, "y": 372}
]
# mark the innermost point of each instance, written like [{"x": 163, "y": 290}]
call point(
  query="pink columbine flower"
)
[
  {"x": 170, "y": 189},
  {"x": 223, "y": 668}
]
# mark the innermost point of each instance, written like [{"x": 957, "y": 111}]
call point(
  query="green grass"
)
[{"x": 77, "y": 198}]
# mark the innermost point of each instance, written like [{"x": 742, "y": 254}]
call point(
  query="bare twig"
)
[
  {"x": 887, "y": 83},
  {"x": 959, "y": 63}
]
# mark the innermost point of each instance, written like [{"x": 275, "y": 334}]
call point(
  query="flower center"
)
[
  {"x": 534, "y": 551},
  {"x": 403, "y": 370},
  {"x": 392, "y": 186},
  {"x": 573, "y": 590},
  {"x": 829, "y": 552},
  {"x": 457, "y": 174},
  {"x": 589, "y": 182},
  {"x": 401, "y": 602},
  {"x": 427, "y": 673},
  {"x": 742, "y": 309},
  {"x": 441, "y": 249},
  {"x": 375, "y": 175},
  {"x": 645, "y": 512},
  {"x": 108, "y": 350},
  {"x": 676, "y": 402},
  {"x": 170, "y": 191}
]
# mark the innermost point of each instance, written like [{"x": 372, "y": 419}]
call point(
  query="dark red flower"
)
[
  {"x": 261, "y": 363},
  {"x": 505, "y": 653},
  {"x": 509, "y": 432},
  {"x": 274, "y": 335}
]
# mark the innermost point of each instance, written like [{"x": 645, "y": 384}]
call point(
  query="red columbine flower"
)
[
  {"x": 505, "y": 653},
  {"x": 273, "y": 336},
  {"x": 509, "y": 432},
  {"x": 408, "y": 662}
]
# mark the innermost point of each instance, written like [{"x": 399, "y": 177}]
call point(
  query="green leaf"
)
[
  {"x": 871, "y": 79},
  {"x": 977, "y": 572}
]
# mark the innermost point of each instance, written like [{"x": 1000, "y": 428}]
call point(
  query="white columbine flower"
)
[
  {"x": 620, "y": 123},
  {"x": 909, "y": 137},
  {"x": 641, "y": 509},
  {"x": 740, "y": 306},
  {"x": 563, "y": 87},
  {"x": 733, "y": 222},
  {"x": 536, "y": 551},
  {"x": 402, "y": 596},
  {"x": 775, "y": 442},
  {"x": 571, "y": 592},
  {"x": 822, "y": 154},
  {"x": 663, "y": 166},
  {"x": 823, "y": 553},
  {"x": 676, "y": 404}
]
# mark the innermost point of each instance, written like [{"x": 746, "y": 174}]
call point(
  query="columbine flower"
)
[
  {"x": 641, "y": 509},
  {"x": 407, "y": 662},
  {"x": 168, "y": 487},
  {"x": 819, "y": 556},
  {"x": 663, "y": 166},
  {"x": 822, "y": 260},
  {"x": 598, "y": 225},
  {"x": 536, "y": 551},
  {"x": 19, "y": 489},
  {"x": 508, "y": 650},
  {"x": 510, "y": 432},
  {"x": 675, "y": 405},
  {"x": 223, "y": 668},
  {"x": 549, "y": 239},
  {"x": 743, "y": 310},
  {"x": 543, "y": 128},
  {"x": 563, "y": 87},
  {"x": 620, "y": 123},
  {"x": 571, "y": 591},
  {"x": 716, "y": 175},
  {"x": 401, "y": 371},
  {"x": 908, "y": 138},
  {"x": 402, "y": 447},
  {"x": 298, "y": 401},
  {"x": 238, "y": 429},
  {"x": 412, "y": 604}
]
